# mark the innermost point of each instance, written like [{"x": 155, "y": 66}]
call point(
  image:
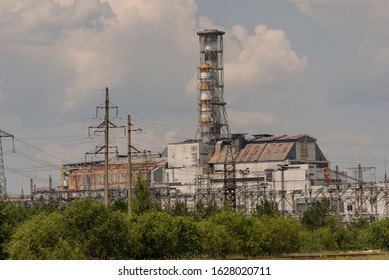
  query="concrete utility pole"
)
[
  {"x": 337, "y": 192},
  {"x": 106, "y": 143},
  {"x": 129, "y": 164},
  {"x": 104, "y": 127},
  {"x": 129, "y": 148}
]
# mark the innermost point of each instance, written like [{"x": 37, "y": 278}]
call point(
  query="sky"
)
[{"x": 316, "y": 67}]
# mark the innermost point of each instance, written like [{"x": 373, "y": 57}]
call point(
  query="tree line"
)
[{"x": 88, "y": 230}]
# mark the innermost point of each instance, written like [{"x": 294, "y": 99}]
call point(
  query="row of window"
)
[{"x": 97, "y": 179}]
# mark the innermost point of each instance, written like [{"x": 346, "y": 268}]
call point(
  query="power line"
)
[{"x": 46, "y": 153}]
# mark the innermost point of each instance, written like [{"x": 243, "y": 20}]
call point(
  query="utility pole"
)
[
  {"x": 104, "y": 127},
  {"x": 129, "y": 164},
  {"x": 337, "y": 192},
  {"x": 282, "y": 168},
  {"x": 106, "y": 146},
  {"x": 129, "y": 127},
  {"x": 3, "y": 180}
]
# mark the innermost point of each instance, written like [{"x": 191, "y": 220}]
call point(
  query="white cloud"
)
[
  {"x": 42, "y": 22},
  {"x": 260, "y": 60},
  {"x": 265, "y": 58},
  {"x": 94, "y": 43},
  {"x": 149, "y": 44}
]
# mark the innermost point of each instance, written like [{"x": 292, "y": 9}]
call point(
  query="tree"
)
[
  {"x": 42, "y": 238},
  {"x": 276, "y": 235},
  {"x": 119, "y": 205},
  {"x": 11, "y": 215},
  {"x": 316, "y": 215},
  {"x": 84, "y": 230},
  {"x": 202, "y": 211},
  {"x": 234, "y": 228},
  {"x": 143, "y": 200},
  {"x": 98, "y": 232},
  {"x": 378, "y": 233},
  {"x": 180, "y": 208},
  {"x": 159, "y": 235},
  {"x": 267, "y": 208}
]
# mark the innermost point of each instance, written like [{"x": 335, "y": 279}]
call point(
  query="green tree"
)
[
  {"x": 143, "y": 201},
  {"x": 42, "y": 238},
  {"x": 202, "y": 211},
  {"x": 378, "y": 234},
  {"x": 100, "y": 233},
  {"x": 187, "y": 237},
  {"x": 119, "y": 205},
  {"x": 84, "y": 230},
  {"x": 11, "y": 215},
  {"x": 267, "y": 207},
  {"x": 234, "y": 230},
  {"x": 180, "y": 208},
  {"x": 159, "y": 235},
  {"x": 47, "y": 207},
  {"x": 316, "y": 215},
  {"x": 279, "y": 235}
]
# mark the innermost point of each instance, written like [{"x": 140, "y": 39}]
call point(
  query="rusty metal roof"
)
[
  {"x": 250, "y": 153},
  {"x": 256, "y": 152},
  {"x": 267, "y": 148},
  {"x": 275, "y": 151}
]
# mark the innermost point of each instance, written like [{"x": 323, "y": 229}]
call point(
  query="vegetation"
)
[
  {"x": 267, "y": 207},
  {"x": 11, "y": 216},
  {"x": 88, "y": 230},
  {"x": 143, "y": 201}
]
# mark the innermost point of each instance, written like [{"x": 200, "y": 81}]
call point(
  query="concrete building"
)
[{"x": 284, "y": 163}]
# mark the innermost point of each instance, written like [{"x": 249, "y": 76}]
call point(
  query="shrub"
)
[
  {"x": 42, "y": 238},
  {"x": 378, "y": 233},
  {"x": 280, "y": 235},
  {"x": 161, "y": 235}
]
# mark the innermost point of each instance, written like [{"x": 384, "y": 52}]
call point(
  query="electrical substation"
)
[{"x": 217, "y": 166}]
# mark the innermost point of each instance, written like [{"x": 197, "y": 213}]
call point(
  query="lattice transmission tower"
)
[{"x": 3, "y": 180}]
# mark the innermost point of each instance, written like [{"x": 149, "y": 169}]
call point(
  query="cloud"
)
[
  {"x": 43, "y": 22},
  {"x": 349, "y": 18},
  {"x": 89, "y": 44},
  {"x": 249, "y": 119},
  {"x": 256, "y": 61},
  {"x": 339, "y": 17},
  {"x": 265, "y": 58},
  {"x": 148, "y": 45},
  {"x": 360, "y": 38}
]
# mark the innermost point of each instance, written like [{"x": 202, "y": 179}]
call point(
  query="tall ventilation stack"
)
[{"x": 213, "y": 124}]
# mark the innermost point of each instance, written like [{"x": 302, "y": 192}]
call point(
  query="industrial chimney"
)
[{"x": 212, "y": 124}]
